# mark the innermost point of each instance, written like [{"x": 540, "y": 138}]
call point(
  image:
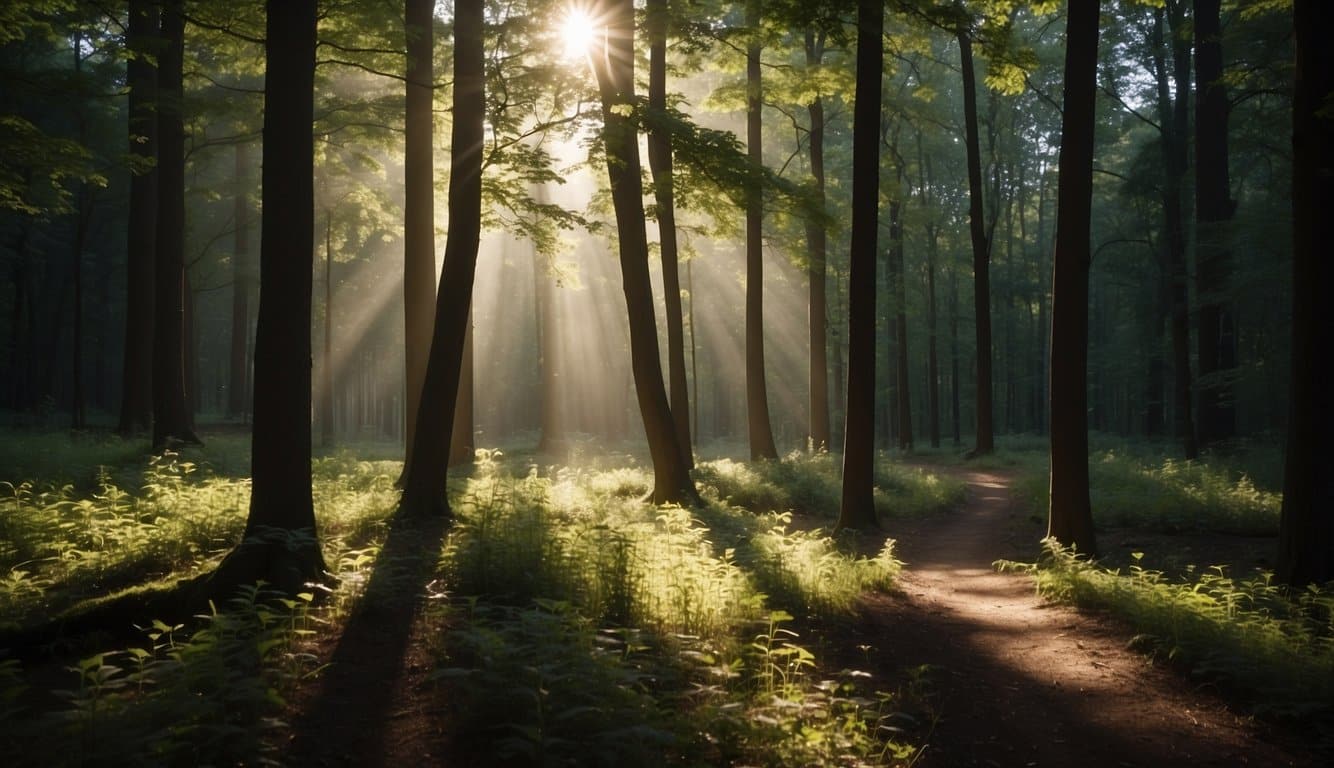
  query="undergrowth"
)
[
  {"x": 619, "y": 632},
  {"x": 1245, "y": 634}
]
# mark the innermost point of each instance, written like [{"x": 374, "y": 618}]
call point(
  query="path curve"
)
[{"x": 1017, "y": 681}]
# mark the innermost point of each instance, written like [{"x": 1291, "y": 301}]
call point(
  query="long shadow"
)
[{"x": 348, "y": 716}]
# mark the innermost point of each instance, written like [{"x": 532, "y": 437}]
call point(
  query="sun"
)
[{"x": 577, "y": 32}]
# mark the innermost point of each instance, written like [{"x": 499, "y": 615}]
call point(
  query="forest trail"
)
[{"x": 1013, "y": 680}]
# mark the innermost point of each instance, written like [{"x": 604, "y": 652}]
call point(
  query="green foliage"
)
[{"x": 1244, "y": 633}]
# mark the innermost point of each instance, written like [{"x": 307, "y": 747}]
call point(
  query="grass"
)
[{"x": 622, "y": 633}]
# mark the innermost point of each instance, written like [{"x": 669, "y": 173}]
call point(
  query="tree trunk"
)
[
  {"x": 461, "y": 448},
  {"x": 1173, "y": 115},
  {"x": 1306, "y": 527},
  {"x": 280, "y": 544},
  {"x": 857, "y": 508},
  {"x": 136, "y": 403},
  {"x": 757, "y": 396},
  {"x": 981, "y": 249},
  {"x": 956, "y": 438},
  {"x": 900, "y": 301},
  {"x": 242, "y": 277},
  {"x": 932, "y": 246},
  {"x": 816, "y": 252},
  {"x": 326, "y": 380},
  {"x": 418, "y": 212},
  {"x": 424, "y": 474},
  {"x": 1070, "y": 517},
  {"x": 172, "y": 419},
  {"x": 660, "y": 164},
  {"x": 1214, "y": 207},
  {"x": 614, "y": 67}
]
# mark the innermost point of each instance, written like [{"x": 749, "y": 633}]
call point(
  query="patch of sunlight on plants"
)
[
  {"x": 622, "y": 633},
  {"x": 1241, "y": 632}
]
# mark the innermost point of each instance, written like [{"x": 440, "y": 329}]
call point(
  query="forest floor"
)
[{"x": 994, "y": 674}]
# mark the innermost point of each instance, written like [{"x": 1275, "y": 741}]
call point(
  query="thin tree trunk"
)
[
  {"x": 932, "y": 245},
  {"x": 857, "y": 507},
  {"x": 172, "y": 418},
  {"x": 242, "y": 276},
  {"x": 424, "y": 475},
  {"x": 418, "y": 213},
  {"x": 660, "y": 164},
  {"x": 614, "y": 68},
  {"x": 757, "y": 396},
  {"x": 1070, "y": 517},
  {"x": 900, "y": 300},
  {"x": 816, "y": 252},
  {"x": 981, "y": 250},
  {"x": 136, "y": 404},
  {"x": 326, "y": 380}
]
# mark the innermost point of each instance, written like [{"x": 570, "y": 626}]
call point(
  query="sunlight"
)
[{"x": 577, "y": 33}]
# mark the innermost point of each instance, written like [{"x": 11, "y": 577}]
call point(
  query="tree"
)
[
  {"x": 1070, "y": 517},
  {"x": 172, "y": 417},
  {"x": 613, "y": 65},
  {"x": 1214, "y": 208},
  {"x": 660, "y": 165},
  {"x": 418, "y": 209},
  {"x": 757, "y": 397},
  {"x": 242, "y": 286},
  {"x": 857, "y": 508},
  {"x": 981, "y": 245},
  {"x": 280, "y": 544},
  {"x": 424, "y": 473},
  {"x": 136, "y": 405},
  {"x": 1306, "y": 526},
  {"x": 816, "y": 253}
]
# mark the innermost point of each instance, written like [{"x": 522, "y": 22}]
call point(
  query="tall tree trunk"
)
[
  {"x": 424, "y": 474},
  {"x": 172, "y": 418},
  {"x": 327, "y": 379},
  {"x": 816, "y": 253},
  {"x": 1070, "y": 517},
  {"x": 757, "y": 396},
  {"x": 857, "y": 507},
  {"x": 899, "y": 299},
  {"x": 242, "y": 278},
  {"x": 981, "y": 249},
  {"x": 461, "y": 448},
  {"x": 1306, "y": 527},
  {"x": 956, "y": 438},
  {"x": 1214, "y": 208},
  {"x": 932, "y": 245},
  {"x": 660, "y": 163},
  {"x": 418, "y": 212},
  {"x": 1173, "y": 116},
  {"x": 136, "y": 400},
  {"x": 614, "y": 68},
  {"x": 280, "y": 543}
]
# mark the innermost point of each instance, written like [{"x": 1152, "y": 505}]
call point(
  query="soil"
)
[
  {"x": 1010, "y": 679},
  {"x": 993, "y": 674}
]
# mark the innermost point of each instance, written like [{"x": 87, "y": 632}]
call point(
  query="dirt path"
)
[{"x": 1015, "y": 681}]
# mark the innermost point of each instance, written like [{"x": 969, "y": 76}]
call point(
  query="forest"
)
[{"x": 665, "y": 382}]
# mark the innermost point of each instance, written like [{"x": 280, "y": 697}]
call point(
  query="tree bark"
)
[
  {"x": 418, "y": 211},
  {"x": 136, "y": 403},
  {"x": 1214, "y": 208},
  {"x": 327, "y": 379},
  {"x": 280, "y": 544},
  {"x": 932, "y": 247},
  {"x": 424, "y": 474},
  {"x": 242, "y": 279},
  {"x": 857, "y": 507},
  {"x": 757, "y": 396},
  {"x": 1173, "y": 116},
  {"x": 981, "y": 249},
  {"x": 172, "y": 419},
  {"x": 816, "y": 253},
  {"x": 1306, "y": 526},
  {"x": 660, "y": 164},
  {"x": 1070, "y": 517},
  {"x": 900, "y": 301},
  {"x": 614, "y": 68}
]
